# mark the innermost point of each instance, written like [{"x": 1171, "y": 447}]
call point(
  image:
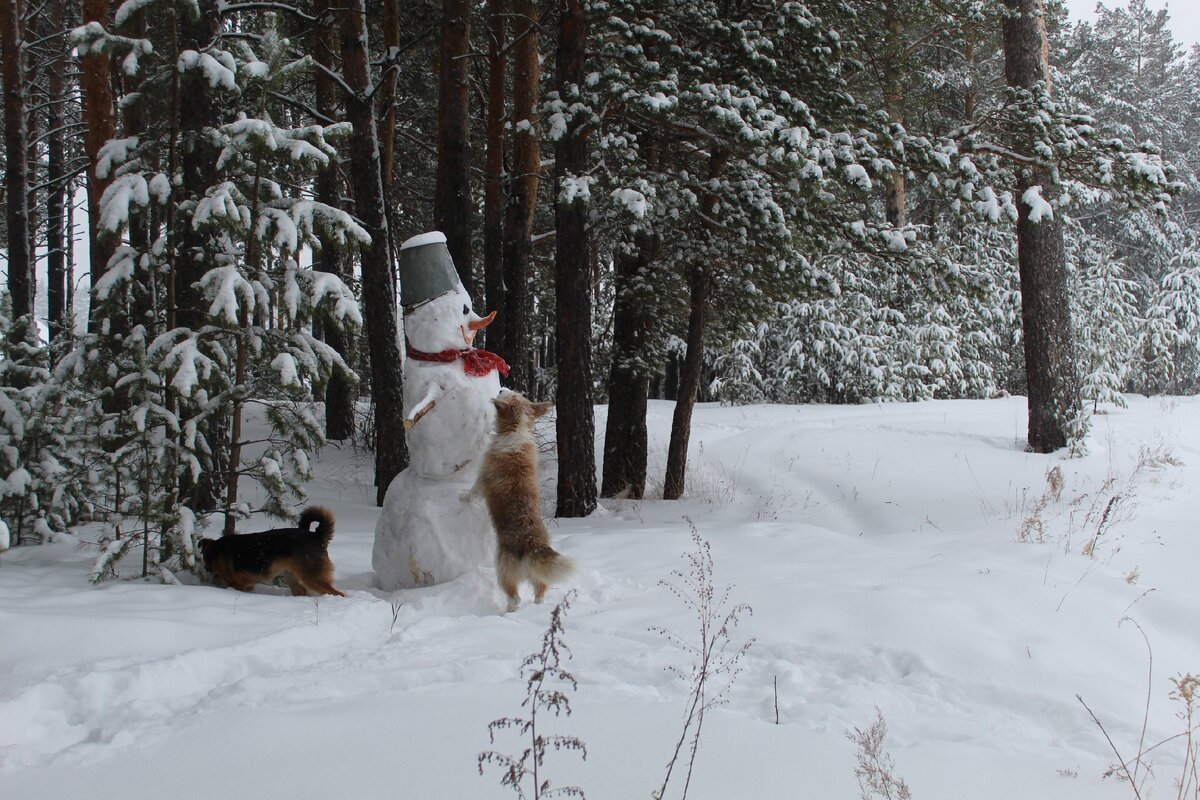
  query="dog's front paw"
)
[{"x": 513, "y": 604}]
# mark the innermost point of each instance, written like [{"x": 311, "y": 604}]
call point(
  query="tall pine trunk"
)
[
  {"x": 522, "y": 199},
  {"x": 379, "y": 290},
  {"x": 700, "y": 284},
  {"x": 198, "y": 158},
  {"x": 896, "y": 199},
  {"x": 33, "y": 31},
  {"x": 56, "y": 180},
  {"x": 1050, "y": 367},
  {"x": 340, "y": 393},
  {"x": 625, "y": 436},
  {"x": 387, "y": 95},
  {"x": 452, "y": 193},
  {"x": 134, "y": 123},
  {"x": 493, "y": 176},
  {"x": 99, "y": 114},
  {"x": 16, "y": 178},
  {"x": 576, "y": 424}
]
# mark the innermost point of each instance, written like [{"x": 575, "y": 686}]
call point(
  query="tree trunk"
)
[
  {"x": 689, "y": 384},
  {"x": 493, "y": 178},
  {"x": 452, "y": 194},
  {"x": 387, "y": 94},
  {"x": 576, "y": 424},
  {"x": 235, "y": 431},
  {"x": 671, "y": 377},
  {"x": 198, "y": 163},
  {"x": 33, "y": 30},
  {"x": 1050, "y": 367},
  {"x": 340, "y": 393},
  {"x": 56, "y": 190},
  {"x": 99, "y": 115},
  {"x": 971, "y": 97},
  {"x": 16, "y": 178},
  {"x": 895, "y": 200},
  {"x": 522, "y": 199},
  {"x": 142, "y": 226},
  {"x": 198, "y": 159},
  {"x": 625, "y": 438},
  {"x": 700, "y": 282},
  {"x": 379, "y": 291}
]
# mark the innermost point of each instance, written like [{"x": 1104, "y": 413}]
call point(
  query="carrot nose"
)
[{"x": 482, "y": 322}]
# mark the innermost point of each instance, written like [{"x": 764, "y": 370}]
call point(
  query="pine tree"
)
[
  {"x": 247, "y": 337},
  {"x": 1170, "y": 344},
  {"x": 516, "y": 316},
  {"x": 33, "y": 503},
  {"x": 16, "y": 179},
  {"x": 1106, "y": 307},
  {"x": 575, "y": 420},
  {"x": 99, "y": 114},
  {"x": 452, "y": 201},
  {"x": 747, "y": 170},
  {"x": 378, "y": 274}
]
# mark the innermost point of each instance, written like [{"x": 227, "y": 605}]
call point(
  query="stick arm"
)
[{"x": 423, "y": 406}]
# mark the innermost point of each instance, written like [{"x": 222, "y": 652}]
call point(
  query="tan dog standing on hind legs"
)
[{"x": 508, "y": 482}]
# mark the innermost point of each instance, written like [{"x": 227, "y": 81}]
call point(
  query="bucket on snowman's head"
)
[{"x": 426, "y": 269}]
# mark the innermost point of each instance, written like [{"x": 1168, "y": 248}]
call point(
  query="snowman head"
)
[
  {"x": 446, "y": 322},
  {"x": 437, "y": 309}
]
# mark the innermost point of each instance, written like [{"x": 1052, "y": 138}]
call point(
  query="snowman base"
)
[{"x": 427, "y": 534}]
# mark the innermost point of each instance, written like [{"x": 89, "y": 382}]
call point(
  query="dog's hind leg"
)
[
  {"x": 242, "y": 582},
  {"x": 539, "y": 591},
  {"x": 509, "y": 584},
  {"x": 320, "y": 583},
  {"x": 298, "y": 588},
  {"x": 325, "y": 587}
]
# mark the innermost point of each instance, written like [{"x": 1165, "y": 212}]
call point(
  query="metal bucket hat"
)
[{"x": 426, "y": 269}]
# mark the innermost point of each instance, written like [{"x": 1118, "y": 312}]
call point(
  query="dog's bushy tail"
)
[
  {"x": 320, "y": 515},
  {"x": 547, "y": 565}
]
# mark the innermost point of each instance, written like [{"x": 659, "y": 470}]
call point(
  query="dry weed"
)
[{"x": 876, "y": 771}]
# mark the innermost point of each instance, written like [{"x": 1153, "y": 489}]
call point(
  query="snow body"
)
[
  {"x": 456, "y": 430},
  {"x": 426, "y": 534}
]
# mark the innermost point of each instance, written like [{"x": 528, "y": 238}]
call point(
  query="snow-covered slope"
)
[{"x": 878, "y": 546}]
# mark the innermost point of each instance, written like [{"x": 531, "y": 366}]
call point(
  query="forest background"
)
[{"x": 754, "y": 201}]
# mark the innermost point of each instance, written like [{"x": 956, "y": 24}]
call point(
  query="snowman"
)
[{"x": 426, "y": 533}]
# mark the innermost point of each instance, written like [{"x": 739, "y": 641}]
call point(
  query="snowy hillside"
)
[{"x": 880, "y": 547}]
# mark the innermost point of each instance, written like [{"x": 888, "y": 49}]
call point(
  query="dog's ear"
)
[
  {"x": 540, "y": 409},
  {"x": 206, "y": 554}
]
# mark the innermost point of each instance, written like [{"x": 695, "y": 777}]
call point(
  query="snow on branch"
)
[
  {"x": 218, "y": 68},
  {"x": 92, "y": 39},
  {"x": 114, "y": 151},
  {"x": 231, "y": 293},
  {"x": 1039, "y": 208},
  {"x": 327, "y": 287},
  {"x": 115, "y": 204}
]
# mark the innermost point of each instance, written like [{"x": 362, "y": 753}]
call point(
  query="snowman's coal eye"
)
[{"x": 466, "y": 311}]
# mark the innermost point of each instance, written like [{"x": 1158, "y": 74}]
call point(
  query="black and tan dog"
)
[{"x": 301, "y": 554}]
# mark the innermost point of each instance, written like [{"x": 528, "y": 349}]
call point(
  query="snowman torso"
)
[{"x": 457, "y": 430}]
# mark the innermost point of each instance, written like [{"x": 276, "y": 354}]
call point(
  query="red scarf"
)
[{"x": 476, "y": 362}]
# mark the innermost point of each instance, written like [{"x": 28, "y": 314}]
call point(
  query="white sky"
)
[{"x": 1185, "y": 15}]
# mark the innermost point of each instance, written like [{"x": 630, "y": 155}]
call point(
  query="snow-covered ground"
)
[{"x": 878, "y": 545}]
